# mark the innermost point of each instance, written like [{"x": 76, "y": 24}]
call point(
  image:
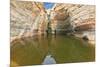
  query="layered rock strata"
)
[{"x": 29, "y": 18}]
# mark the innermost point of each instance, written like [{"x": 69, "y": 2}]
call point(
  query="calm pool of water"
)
[{"x": 61, "y": 49}]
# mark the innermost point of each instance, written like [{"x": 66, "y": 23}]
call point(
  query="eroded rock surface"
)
[
  {"x": 75, "y": 17},
  {"x": 29, "y": 18}
]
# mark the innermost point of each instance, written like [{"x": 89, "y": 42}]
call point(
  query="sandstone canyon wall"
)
[{"x": 29, "y": 18}]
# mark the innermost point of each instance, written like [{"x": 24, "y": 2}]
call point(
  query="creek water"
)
[{"x": 39, "y": 50}]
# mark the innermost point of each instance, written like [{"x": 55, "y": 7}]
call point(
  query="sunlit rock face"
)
[
  {"x": 27, "y": 17},
  {"x": 42, "y": 24},
  {"x": 79, "y": 16},
  {"x": 74, "y": 18},
  {"x": 21, "y": 16}
]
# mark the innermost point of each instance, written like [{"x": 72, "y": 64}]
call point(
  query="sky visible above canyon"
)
[{"x": 48, "y": 5}]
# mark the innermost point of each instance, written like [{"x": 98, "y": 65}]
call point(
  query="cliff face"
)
[
  {"x": 21, "y": 16},
  {"x": 26, "y": 16},
  {"x": 29, "y": 18},
  {"x": 79, "y": 16},
  {"x": 75, "y": 18}
]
